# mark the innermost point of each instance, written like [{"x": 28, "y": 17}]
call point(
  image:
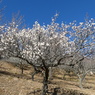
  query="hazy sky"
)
[{"x": 43, "y": 10}]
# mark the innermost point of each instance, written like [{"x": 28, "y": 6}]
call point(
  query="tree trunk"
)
[
  {"x": 45, "y": 81},
  {"x": 21, "y": 67},
  {"x": 22, "y": 70},
  {"x": 35, "y": 72},
  {"x": 50, "y": 73}
]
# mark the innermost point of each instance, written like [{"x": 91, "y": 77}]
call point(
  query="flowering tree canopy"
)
[
  {"x": 84, "y": 37},
  {"x": 48, "y": 43}
]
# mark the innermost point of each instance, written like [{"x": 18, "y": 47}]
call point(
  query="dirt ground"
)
[{"x": 13, "y": 83}]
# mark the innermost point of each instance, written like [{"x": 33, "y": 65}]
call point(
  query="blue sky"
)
[{"x": 43, "y": 10}]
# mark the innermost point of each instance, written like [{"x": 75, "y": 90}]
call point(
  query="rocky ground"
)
[{"x": 12, "y": 82}]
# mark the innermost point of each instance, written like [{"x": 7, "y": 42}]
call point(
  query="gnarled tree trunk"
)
[{"x": 45, "y": 81}]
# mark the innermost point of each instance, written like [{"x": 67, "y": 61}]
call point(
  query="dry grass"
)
[{"x": 13, "y": 83}]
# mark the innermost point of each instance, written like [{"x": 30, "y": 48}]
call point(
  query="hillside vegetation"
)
[{"x": 12, "y": 82}]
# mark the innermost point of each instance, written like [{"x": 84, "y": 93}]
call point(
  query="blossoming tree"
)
[
  {"x": 43, "y": 46},
  {"x": 84, "y": 39}
]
